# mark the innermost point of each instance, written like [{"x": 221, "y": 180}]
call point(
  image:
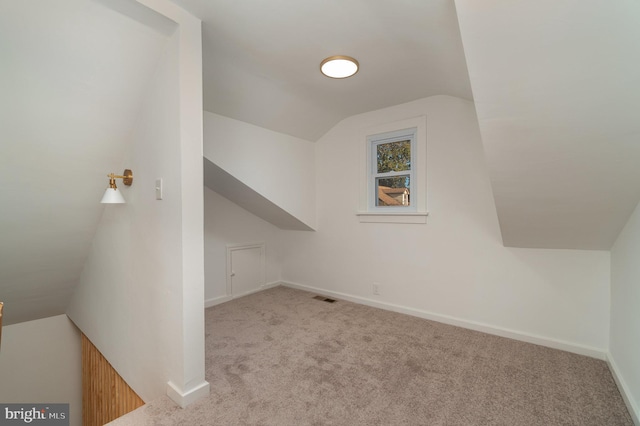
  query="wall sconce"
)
[{"x": 112, "y": 195}]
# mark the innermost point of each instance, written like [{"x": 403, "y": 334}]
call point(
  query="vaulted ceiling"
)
[
  {"x": 555, "y": 84},
  {"x": 262, "y": 58}
]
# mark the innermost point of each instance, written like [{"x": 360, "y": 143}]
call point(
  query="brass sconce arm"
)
[{"x": 127, "y": 178}]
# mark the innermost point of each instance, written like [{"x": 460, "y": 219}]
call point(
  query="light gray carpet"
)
[{"x": 279, "y": 357}]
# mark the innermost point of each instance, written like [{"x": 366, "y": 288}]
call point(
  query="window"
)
[{"x": 393, "y": 173}]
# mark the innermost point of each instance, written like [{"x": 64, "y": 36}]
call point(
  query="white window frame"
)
[
  {"x": 372, "y": 144},
  {"x": 368, "y": 211}
]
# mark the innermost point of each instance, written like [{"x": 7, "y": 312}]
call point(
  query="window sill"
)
[{"x": 396, "y": 217}]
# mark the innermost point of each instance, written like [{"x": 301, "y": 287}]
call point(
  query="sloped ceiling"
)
[
  {"x": 227, "y": 185},
  {"x": 556, "y": 85},
  {"x": 262, "y": 58},
  {"x": 72, "y": 76}
]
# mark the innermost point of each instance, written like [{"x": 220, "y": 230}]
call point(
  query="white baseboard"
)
[
  {"x": 187, "y": 397},
  {"x": 632, "y": 406},
  {"x": 271, "y": 285},
  {"x": 472, "y": 325},
  {"x": 216, "y": 301},
  {"x": 222, "y": 299}
]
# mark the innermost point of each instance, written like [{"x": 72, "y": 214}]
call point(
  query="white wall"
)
[
  {"x": 226, "y": 223},
  {"x": 139, "y": 298},
  {"x": 41, "y": 362},
  {"x": 624, "y": 343},
  {"x": 454, "y": 267},
  {"x": 277, "y": 166}
]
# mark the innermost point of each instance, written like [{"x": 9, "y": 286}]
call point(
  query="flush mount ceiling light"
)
[
  {"x": 112, "y": 195},
  {"x": 339, "y": 66}
]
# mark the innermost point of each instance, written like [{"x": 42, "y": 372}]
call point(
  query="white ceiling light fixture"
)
[
  {"x": 112, "y": 195},
  {"x": 339, "y": 66}
]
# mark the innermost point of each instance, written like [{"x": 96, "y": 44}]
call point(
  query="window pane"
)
[
  {"x": 393, "y": 191},
  {"x": 394, "y": 156}
]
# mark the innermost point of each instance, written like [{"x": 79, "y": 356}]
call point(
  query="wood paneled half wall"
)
[{"x": 105, "y": 395}]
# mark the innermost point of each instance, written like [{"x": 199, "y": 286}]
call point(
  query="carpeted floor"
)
[{"x": 280, "y": 357}]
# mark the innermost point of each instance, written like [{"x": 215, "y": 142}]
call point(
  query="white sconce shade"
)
[{"x": 112, "y": 195}]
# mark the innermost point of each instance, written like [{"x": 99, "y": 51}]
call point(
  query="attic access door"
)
[{"x": 245, "y": 268}]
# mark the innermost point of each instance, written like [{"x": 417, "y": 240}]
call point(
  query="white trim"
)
[
  {"x": 472, "y": 325},
  {"x": 184, "y": 398},
  {"x": 216, "y": 301},
  {"x": 404, "y": 217},
  {"x": 271, "y": 285},
  {"x": 418, "y": 167},
  {"x": 241, "y": 246},
  {"x": 632, "y": 406},
  {"x": 208, "y": 303}
]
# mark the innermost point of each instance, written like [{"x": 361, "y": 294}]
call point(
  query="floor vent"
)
[{"x": 324, "y": 299}]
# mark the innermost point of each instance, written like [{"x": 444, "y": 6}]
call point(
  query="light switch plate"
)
[{"x": 159, "y": 189}]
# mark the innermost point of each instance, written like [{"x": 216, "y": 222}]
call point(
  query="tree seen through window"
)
[{"x": 392, "y": 159}]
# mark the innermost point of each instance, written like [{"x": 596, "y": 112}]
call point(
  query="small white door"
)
[{"x": 245, "y": 268}]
